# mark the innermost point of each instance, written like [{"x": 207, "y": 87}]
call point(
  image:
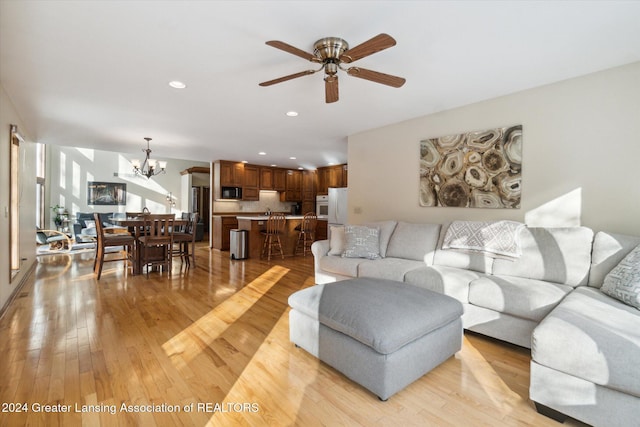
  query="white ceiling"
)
[{"x": 95, "y": 73}]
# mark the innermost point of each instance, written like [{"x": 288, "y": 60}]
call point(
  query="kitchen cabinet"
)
[
  {"x": 222, "y": 226},
  {"x": 279, "y": 179},
  {"x": 293, "y": 192},
  {"x": 266, "y": 178},
  {"x": 231, "y": 174},
  {"x": 308, "y": 191},
  {"x": 251, "y": 184},
  {"x": 331, "y": 176}
]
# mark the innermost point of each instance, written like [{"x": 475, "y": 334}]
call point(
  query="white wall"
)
[
  {"x": 70, "y": 168},
  {"x": 9, "y": 116},
  {"x": 581, "y": 147}
]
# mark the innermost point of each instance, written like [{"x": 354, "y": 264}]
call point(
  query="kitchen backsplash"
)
[{"x": 268, "y": 200}]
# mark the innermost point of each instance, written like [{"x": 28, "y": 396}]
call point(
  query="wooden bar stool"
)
[
  {"x": 306, "y": 233},
  {"x": 104, "y": 241},
  {"x": 275, "y": 228}
]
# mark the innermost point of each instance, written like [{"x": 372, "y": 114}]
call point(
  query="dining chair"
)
[
  {"x": 275, "y": 228},
  {"x": 184, "y": 240},
  {"x": 155, "y": 242},
  {"x": 306, "y": 233},
  {"x": 104, "y": 241}
]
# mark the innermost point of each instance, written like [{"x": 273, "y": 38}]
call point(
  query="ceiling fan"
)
[{"x": 332, "y": 53}]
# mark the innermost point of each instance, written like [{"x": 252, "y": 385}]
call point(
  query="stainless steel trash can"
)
[{"x": 239, "y": 248}]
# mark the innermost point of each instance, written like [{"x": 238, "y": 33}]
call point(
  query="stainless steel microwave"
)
[{"x": 231, "y": 193}]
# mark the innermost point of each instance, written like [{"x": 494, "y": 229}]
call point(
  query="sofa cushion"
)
[
  {"x": 559, "y": 255},
  {"x": 381, "y": 314},
  {"x": 608, "y": 250},
  {"x": 388, "y": 268},
  {"x": 450, "y": 281},
  {"x": 623, "y": 282},
  {"x": 339, "y": 265},
  {"x": 414, "y": 241},
  {"x": 336, "y": 240},
  {"x": 591, "y": 336},
  {"x": 386, "y": 229},
  {"x": 361, "y": 242},
  {"x": 525, "y": 298}
]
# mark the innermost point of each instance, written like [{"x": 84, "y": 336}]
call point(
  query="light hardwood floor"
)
[{"x": 215, "y": 339}]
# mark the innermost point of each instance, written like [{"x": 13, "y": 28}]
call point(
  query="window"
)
[
  {"x": 15, "y": 195},
  {"x": 40, "y": 184}
]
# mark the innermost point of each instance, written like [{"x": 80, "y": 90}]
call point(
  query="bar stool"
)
[
  {"x": 103, "y": 241},
  {"x": 306, "y": 233},
  {"x": 275, "y": 228}
]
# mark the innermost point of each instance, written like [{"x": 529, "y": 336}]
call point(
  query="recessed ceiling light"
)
[
  {"x": 274, "y": 165},
  {"x": 177, "y": 84},
  {"x": 292, "y": 113},
  {"x": 292, "y": 158},
  {"x": 262, "y": 153},
  {"x": 301, "y": 168},
  {"x": 244, "y": 161}
]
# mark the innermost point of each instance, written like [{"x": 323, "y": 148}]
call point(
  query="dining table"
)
[{"x": 136, "y": 226}]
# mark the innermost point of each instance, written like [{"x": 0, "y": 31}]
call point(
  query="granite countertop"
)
[{"x": 266, "y": 217}]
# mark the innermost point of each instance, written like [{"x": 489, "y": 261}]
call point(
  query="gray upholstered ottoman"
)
[{"x": 381, "y": 334}]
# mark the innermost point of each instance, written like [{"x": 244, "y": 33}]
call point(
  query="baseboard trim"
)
[{"x": 18, "y": 288}]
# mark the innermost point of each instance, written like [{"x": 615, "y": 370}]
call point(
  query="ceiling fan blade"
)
[
  {"x": 293, "y": 50},
  {"x": 331, "y": 89},
  {"x": 289, "y": 77},
  {"x": 375, "y": 76},
  {"x": 371, "y": 46}
]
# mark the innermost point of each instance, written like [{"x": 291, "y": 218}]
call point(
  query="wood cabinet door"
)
[
  {"x": 231, "y": 174},
  {"x": 294, "y": 186},
  {"x": 323, "y": 181},
  {"x": 308, "y": 186},
  {"x": 251, "y": 176},
  {"x": 251, "y": 187},
  {"x": 279, "y": 179},
  {"x": 266, "y": 178},
  {"x": 335, "y": 176}
]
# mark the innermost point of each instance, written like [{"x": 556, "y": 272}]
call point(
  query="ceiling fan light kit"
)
[{"x": 331, "y": 53}]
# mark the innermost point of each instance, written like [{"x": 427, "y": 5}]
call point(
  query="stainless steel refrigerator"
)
[{"x": 337, "y": 206}]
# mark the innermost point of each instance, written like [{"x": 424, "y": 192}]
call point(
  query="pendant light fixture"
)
[{"x": 148, "y": 167}]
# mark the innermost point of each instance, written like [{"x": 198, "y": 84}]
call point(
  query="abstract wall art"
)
[{"x": 480, "y": 169}]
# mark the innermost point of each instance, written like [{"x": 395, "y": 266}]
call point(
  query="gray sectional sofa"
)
[{"x": 583, "y": 342}]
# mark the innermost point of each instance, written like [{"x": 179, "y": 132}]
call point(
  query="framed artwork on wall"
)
[
  {"x": 481, "y": 169},
  {"x": 106, "y": 193}
]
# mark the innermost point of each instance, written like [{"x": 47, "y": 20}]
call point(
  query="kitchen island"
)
[{"x": 255, "y": 224}]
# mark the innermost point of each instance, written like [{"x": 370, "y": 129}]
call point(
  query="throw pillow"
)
[
  {"x": 90, "y": 223},
  {"x": 336, "y": 240},
  {"x": 362, "y": 242},
  {"x": 623, "y": 282}
]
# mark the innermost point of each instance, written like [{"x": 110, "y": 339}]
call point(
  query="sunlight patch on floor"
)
[
  {"x": 273, "y": 368},
  {"x": 191, "y": 341},
  {"x": 486, "y": 376}
]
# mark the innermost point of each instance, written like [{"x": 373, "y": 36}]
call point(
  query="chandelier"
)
[{"x": 149, "y": 167}]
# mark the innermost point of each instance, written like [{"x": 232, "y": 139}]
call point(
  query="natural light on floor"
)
[{"x": 190, "y": 342}]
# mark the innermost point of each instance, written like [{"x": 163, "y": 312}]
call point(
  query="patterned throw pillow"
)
[
  {"x": 623, "y": 282},
  {"x": 362, "y": 242}
]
